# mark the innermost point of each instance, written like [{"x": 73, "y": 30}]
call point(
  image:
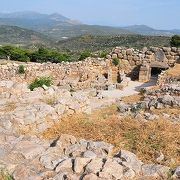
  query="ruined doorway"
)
[{"x": 155, "y": 71}]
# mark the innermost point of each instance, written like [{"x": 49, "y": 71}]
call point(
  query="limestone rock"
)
[
  {"x": 94, "y": 166},
  {"x": 64, "y": 166},
  {"x": 130, "y": 160},
  {"x": 80, "y": 163},
  {"x": 111, "y": 170},
  {"x": 152, "y": 170}
]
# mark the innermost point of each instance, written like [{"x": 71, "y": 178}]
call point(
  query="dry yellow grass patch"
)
[
  {"x": 10, "y": 106},
  {"x": 175, "y": 71},
  {"x": 50, "y": 100},
  {"x": 144, "y": 139},
  {"x": 169, "y": 111},
  {"x": 132, "y": 99}
]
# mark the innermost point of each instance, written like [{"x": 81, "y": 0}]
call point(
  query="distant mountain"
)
[
  {"x": 33, "y": 16},
  {"x": 56, "y": 25},
  {"x": 146, "y": 30},
  {"x": 20, "y": 36},
  {"x": 59, "y": 27}
]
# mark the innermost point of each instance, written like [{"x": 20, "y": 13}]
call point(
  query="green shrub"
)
[
  {"x": 84, "y": 55},
  {"x": 175, "y": 41},
  {"x": 39, "y": 82},
  {"x": 115, "y": 61},
  {"x": 21, "y": 69},
  {"x": 103, "y": 54}
]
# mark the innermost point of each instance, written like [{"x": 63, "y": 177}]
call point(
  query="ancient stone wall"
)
[
  {"x": 95, "y": 72},
  {"x": 82, "y": 73},
  {"x": 138, "y": 63}
]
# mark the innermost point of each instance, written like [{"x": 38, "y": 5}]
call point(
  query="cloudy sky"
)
[{"x": 160, "y": 14}]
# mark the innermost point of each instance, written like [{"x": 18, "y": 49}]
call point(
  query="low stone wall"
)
[{"x": 80, "y": 73}]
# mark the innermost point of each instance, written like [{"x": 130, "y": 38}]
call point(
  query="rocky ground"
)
[{"x": 26, "y": 115}]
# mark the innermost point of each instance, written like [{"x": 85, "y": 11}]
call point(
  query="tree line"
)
[
  {"x": 48, "y": 55},
  {"x": 26, "y": 55}
]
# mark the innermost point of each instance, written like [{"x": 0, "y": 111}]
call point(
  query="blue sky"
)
[{"x": 160, "y": 14}]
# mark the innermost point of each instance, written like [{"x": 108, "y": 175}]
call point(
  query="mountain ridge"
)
[{"x": 58, "y": 27}]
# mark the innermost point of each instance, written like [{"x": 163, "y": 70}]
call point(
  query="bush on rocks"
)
[
  {"x": 115, "y": 61},
  {"x": 21, "y": 69},
  {"x": 39, "y": 82}
]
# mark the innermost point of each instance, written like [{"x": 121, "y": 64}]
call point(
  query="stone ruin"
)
[
  {"x": 98, "y": 73},
  {"x": 25, "y": 114},
  {"x": 139, "y": 64}
]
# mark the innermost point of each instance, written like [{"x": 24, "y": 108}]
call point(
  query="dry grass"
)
[
  {"x": 132, "y": 99},
  {"x": 10, "y": 106},
  {"x": 170, "y": 111},
  {"x": 50, "y": 100},
  {"x": 175, "y": 71},
  {"x": 144, "y": 139}
]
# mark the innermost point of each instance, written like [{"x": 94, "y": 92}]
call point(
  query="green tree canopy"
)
[{"x": 175, "y": 41}]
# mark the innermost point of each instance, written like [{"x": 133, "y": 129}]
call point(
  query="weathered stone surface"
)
[
  {"x": 29, "y": 149},
  {"x": 80, "y": 163},
  {"x": 153, "y": 170},
  {"x": 64, "y": 166},
  {"x": 94, "y": 166},
  {"x": 111, "y": 170},
  {"x": 89, "y": 154},
  {"x": 90, "y": 176},
  {"x": 130, "y": 160}
]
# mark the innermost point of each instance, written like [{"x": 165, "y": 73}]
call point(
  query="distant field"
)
[{"x": 95, "y": 43}]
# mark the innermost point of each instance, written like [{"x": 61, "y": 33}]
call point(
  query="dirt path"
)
[
  {"x": 109, "y": 97},
  {"x": 133, "y": 88}
]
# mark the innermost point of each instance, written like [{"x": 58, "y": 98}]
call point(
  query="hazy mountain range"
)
[
  {"x": 60, "y": 27},
  {"x": 33, "y": 29}
]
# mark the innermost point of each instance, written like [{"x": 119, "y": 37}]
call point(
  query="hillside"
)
[
  {"x": 20, "y": 36},
  {"x": 94, "y": 43},
  {"x": 66, "y": 32}
]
